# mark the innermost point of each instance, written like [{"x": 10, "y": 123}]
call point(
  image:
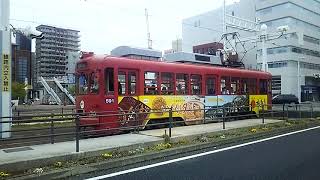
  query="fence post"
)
[
  {"x": 223, "y": 118},
  {"x": 170, "y": 121},
  {"x": 18, "y": 117},
  {"x": 299, "y": 112},
  {"x": 282, "y": 111},
  {"x": 62, "y": 111},
  {"x": 52, "y": 129},
  {"x": 77, "y": 132},
  {"x": 262, "y": 113},
  {"x": 204, "y": 114},
  {"x": 137, "y": 126},
  {"x": 311, "y": 111}
]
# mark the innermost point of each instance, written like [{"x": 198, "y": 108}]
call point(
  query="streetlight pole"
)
[
  {"x": 263, "y": 38},
  {"x": 299, "y": 78},
  {"x": 5, "y": 85}
]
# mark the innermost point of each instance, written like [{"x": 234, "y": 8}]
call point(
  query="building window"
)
[
  {"x": 278, "y": 64},
  {"x": 276, "y": 83}
]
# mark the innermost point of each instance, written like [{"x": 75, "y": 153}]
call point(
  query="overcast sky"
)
[{"x": 106, "y": 24}]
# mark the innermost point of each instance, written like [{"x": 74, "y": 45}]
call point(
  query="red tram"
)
[{"x": 114, "y": 85}]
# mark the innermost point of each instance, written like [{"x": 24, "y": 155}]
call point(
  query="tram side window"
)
[
  {"x": 94, "y": 83},
  {"x": 182, "y": 84},
  {"x": 109, "y": 80},
  {"x": 132, "y": 83},
  {"x": 225, "y": 85},
  {"x": 151, "y": 83},
  {"x": 252, "y": 86},
  {"x": 235, "y": 85},
  {"x": 263, "y": 86},
  {"x": 195, "y": 84},
  {"x": 244, "y": 86},
  {"x": 83, "y": 84},
  {"x": 210, "y": 86},
  {"x": 167, "y": 83},
  {"x": 121, "y": 83}
]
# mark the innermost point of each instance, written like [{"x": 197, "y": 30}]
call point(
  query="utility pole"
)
[
  {"x": 5, "y": 83},
  {"x": 148, "y": 30},
  {"x": 263, "y": 39},
  {"x": 224, "y": 28}
]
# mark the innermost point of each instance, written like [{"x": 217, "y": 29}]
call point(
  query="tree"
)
[
  {"x": 18, "y": 91},
  {"x": 72, "y": 89}
]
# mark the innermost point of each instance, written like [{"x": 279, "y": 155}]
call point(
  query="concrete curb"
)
[{"x": 142, "y": 158}]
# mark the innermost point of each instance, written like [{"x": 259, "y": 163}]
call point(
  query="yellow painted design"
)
[
  {"x": 256, "y": 102},
  {"x": 121, "y": 97},
  {"x": 158, "y": 104}
]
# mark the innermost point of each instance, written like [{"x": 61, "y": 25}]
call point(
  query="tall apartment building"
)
[
  {"x": 51, "y": 51},
  {"x": 286, "y": 57},
  {"x": 21, "y": 59}
]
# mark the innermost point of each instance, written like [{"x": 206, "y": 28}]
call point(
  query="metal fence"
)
[{"x": 59, "y": 127}]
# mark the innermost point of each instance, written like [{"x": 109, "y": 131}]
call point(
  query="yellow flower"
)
[
  {"x": 58, "y": 164},
  {"x": 3, "y": 174},
  {"x": 106, "y": 155},
  {"x": 253, "y": 130},
  {"x": 264, "y": 128}
]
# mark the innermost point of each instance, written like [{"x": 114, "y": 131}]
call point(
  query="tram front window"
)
[
  {"x": 94, "y": 83},
  {"x": 83, "y": 84}
]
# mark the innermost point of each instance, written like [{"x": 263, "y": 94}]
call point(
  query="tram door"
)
[
  {"x": 127, "y": 82},
  {"x": 128, "y": 96},
  {"x": 110, "y": 99}
]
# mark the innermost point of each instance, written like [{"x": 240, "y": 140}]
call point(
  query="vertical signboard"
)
[
  {"x": 5, "y": 70},
  {"x": 5, "y": 73}
]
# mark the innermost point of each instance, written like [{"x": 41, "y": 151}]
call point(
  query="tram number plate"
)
[{"x": 109, "y": 100}]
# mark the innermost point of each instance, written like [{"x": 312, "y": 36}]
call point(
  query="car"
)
[{"x": 285, "y": 99}]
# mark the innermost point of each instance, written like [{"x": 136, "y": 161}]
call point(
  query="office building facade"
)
[
  {"x": 21, "y": 59},
  {"x": 293, "y": 59}
]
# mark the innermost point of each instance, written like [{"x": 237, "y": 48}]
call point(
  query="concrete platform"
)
[{"x": 117, "y": 141}]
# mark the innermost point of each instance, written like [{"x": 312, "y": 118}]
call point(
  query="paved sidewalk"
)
[
  {"x": 205, "y": 128},
  {"x": 108, "y": 142}
]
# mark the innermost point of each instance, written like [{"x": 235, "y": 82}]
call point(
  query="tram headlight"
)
[{"x": 82, "y": 104}]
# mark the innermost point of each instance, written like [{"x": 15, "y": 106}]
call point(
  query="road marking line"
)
[{"x": 198, "y": 155}]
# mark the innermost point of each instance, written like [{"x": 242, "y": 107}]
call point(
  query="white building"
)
[
  {"x": 292, "y": 61},
  {"x": 208, "y": 27},
  {"x": 176, "y": 46},
  {"x": 284, "y": 54}
]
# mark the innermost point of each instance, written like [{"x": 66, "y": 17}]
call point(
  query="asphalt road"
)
[{"x": 291, "y": 157}]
